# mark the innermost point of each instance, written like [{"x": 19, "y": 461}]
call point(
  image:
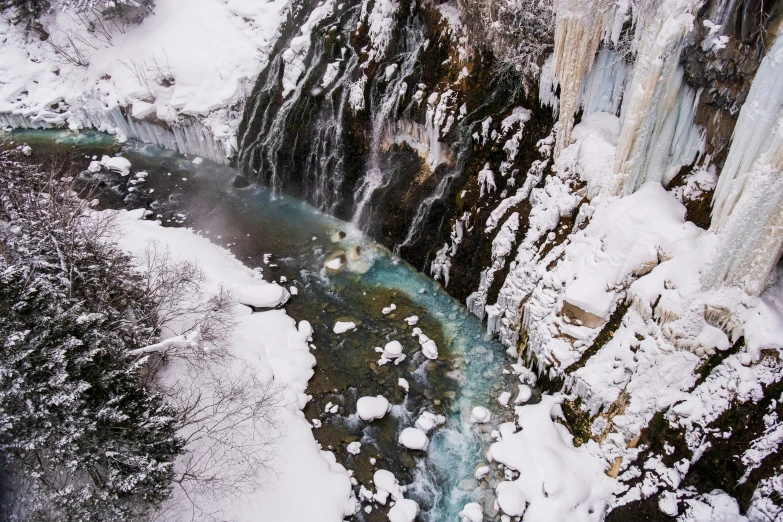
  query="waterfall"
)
[
  {"x": 293, "y": 133},
  {"x": 376, "y": 177},
  {"x": 748, "y": 201}
]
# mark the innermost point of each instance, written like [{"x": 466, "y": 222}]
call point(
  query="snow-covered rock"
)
[
  {"x": 116, "y": 164},
  {"x": 391, "y": 352},
  {"x": 428, "y": 421},
  {"x": 480, "y": 415},
  {"x": 371, "y": 408},
  {"x": 472, "y": 512},
  {"x": 343, "y": 326},
  {"x": 414, "y": 438},
  {"x": 405, "y": 510}
]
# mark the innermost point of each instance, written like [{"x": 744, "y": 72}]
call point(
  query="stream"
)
[{"x": 291, "y": 241}]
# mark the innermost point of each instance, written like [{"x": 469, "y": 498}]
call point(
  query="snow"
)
[
  {"x": 335, "y": 264},
  {"x": 486, "y": 181},
  {"x": 711, "y": 507},
  {"x": 472, "y": 512},
  {"x": 309, "y": 485},
  {"x": 117, "y": 164},
  {"x": 214, "y": 50},
  {"x": 371, "y": 408},
  {"x": 634, "y": 230},
  {"x": 294, "y": 56},
  {"x": 429, "y": 421},
  {"x": 428, "y": 346},
  {"x": 404, "y": 510},
  {"x": 267, "y": 296},
  {"x": 343, "y": 326},
  {"x": 381, "y": 24},
  {"x": 504, "y": 398},
  {"x": 414, "y": 438},
  {"x": 387, "y": 485},
  {"x": 412, "y": 320},
  {"x": 391, "y": 352},
  {"x": 354, "y": 448},
  {"x": 524, "y": 394},
  {"x": 557, "y": 480},
  {"x": 480, "y": 415}
]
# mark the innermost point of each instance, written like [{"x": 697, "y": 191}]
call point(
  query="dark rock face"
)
[
  {"x": 314, "y": 145},
  {"x": 241, "y": 182},
  {"x": 726, "y": 73}
]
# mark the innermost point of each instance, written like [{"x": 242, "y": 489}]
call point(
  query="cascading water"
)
[
  {"x": 298, "y": 88},
  {"x": 376, "y": 177}
]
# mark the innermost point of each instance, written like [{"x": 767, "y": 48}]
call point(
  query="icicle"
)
[
  {"x": 669, "y": 140},
  {"x": 547, "y": 86},
  {"x": 748, "y": 201},
  {"x": 602, "y": 88},
  {"x": 580, "y": 26},
  {"x": 654, "y": 88}
]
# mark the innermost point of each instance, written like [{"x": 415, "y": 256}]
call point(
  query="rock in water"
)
[{"x": 241, "y": 181}]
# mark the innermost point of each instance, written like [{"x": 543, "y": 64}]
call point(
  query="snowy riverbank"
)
[
  {"x": 308, "y": 484},
  {"x": 179, "y": 79}
]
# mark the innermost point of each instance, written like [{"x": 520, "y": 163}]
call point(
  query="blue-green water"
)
[{"x": 251, "y": 223}]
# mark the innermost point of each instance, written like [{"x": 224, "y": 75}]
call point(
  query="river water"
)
[{"x": 289, "y": 239}]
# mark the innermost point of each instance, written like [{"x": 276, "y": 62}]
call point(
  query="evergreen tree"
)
[{"x": 81, "y": 438}]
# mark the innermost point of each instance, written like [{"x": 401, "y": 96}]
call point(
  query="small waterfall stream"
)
[{"x": 390, "y": 95}]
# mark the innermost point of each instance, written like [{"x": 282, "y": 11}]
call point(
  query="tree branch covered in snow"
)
[
  {"x": 80, "y": 439},
  {"x": 99, "y": 419},
  {"x": 519, "y": 32}
]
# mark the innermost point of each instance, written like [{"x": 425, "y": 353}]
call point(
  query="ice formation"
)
[
  {"x": 748, "y": 202},
  {"x": 579, "y": 28},
  {"x": 657, "y": 112}
]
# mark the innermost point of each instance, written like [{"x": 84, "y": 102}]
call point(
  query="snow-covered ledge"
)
[
  {"x": 177, "y": 80},
  {"x": 188, "y": 136}
]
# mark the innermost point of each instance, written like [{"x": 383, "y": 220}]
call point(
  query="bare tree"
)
[
  {"x": 182, "y": 303},
  {"x": 227, "y": 413},
  {"x": 229, "y": 421}
]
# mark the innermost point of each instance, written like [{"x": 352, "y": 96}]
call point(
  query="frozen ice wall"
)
[
  {"x": 580, "y": 27},
  {"x": 655, "y": 112},
  {"x": 748, "y": 203}
]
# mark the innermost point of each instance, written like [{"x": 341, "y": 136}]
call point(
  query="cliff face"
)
[{"x": 599, "y": 181}]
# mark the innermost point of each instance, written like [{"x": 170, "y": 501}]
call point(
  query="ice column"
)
[
  {"x": 580, "y": 27},
  {"x": 602, "y": 89},
  {"x": 653, "y": 99},
  {"x": 747, "y": 210}
]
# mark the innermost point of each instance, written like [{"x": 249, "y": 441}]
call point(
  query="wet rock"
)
[
  {"x": 241, "y": 181},
  {"x": 407, "y": 460},
  {"x": 336, "y": 262}
]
